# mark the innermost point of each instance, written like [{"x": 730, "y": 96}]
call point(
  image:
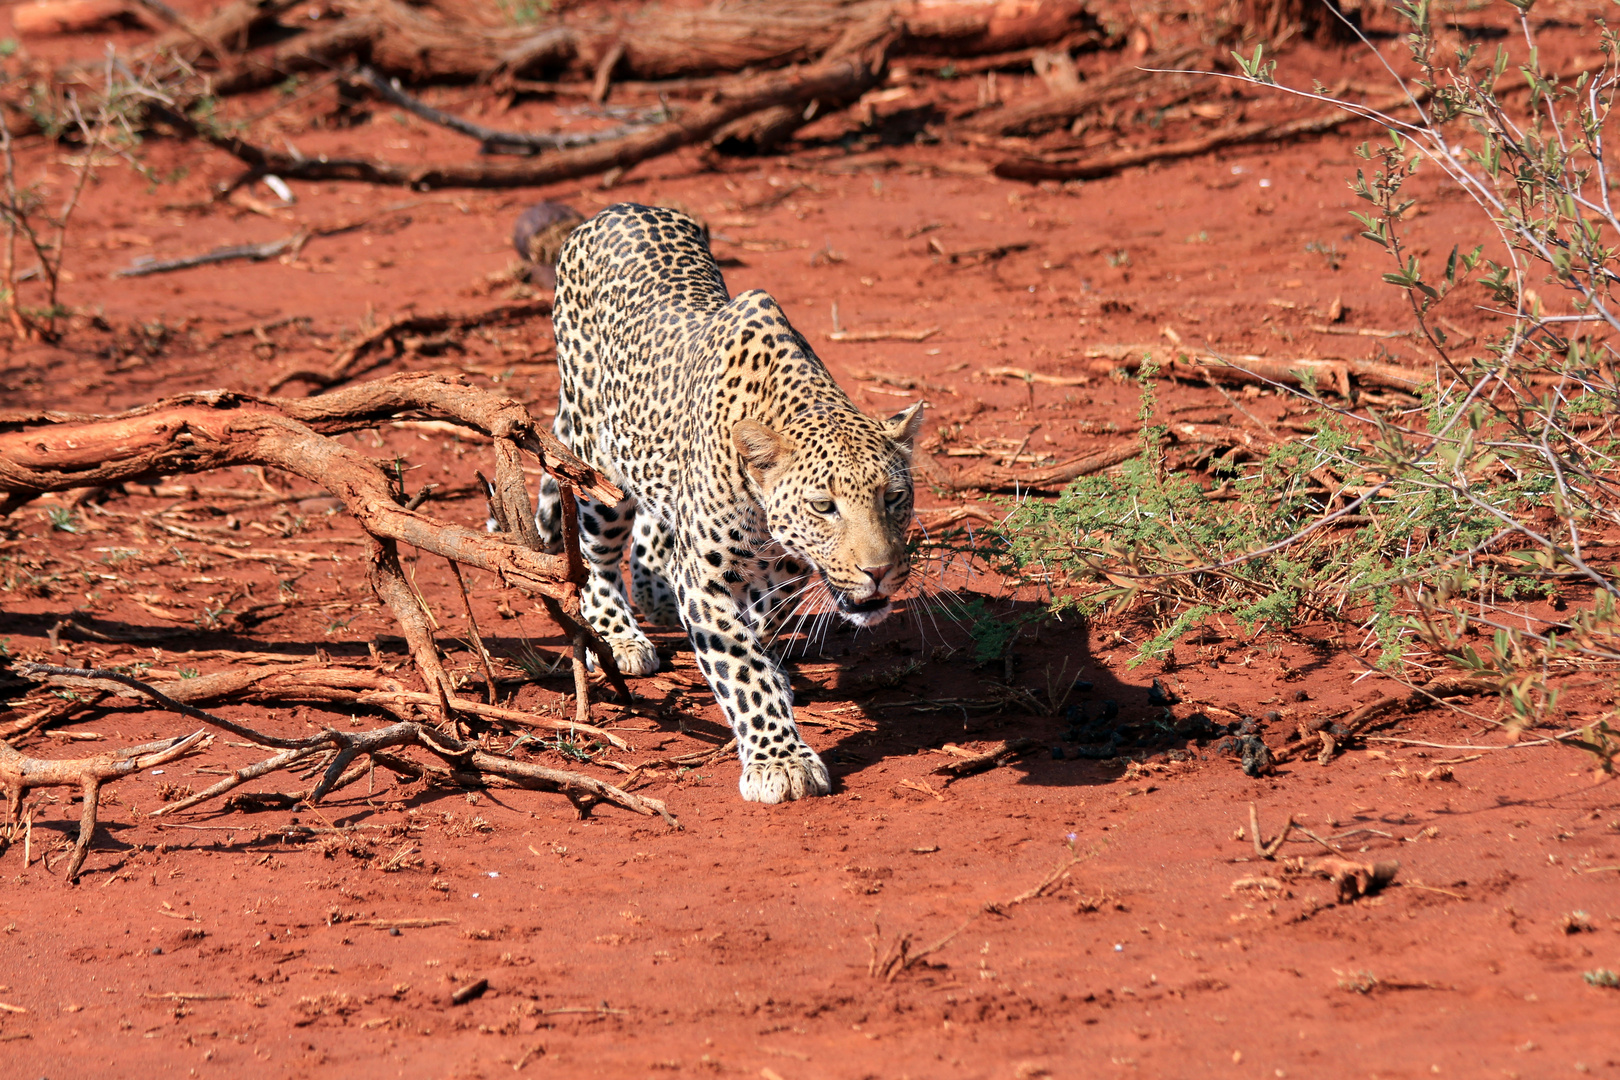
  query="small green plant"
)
[
  {"x": 571, "y": 748},
  {"x": 1600, "y": 739},
  {"x": 1119, "y": 258},
  {"x": 530, "y": 661},
  {"x": 1257, "y": 67},
  {"x": 105, "y": 124},
  {"x": 188, "y": 673},
  {"x": 992, "y": 635},
  {"x": 1329, "y": 251},
  {"x": 1357, "y": 982},
  {"x": 61, "y": 518},
  {"x": 524, "y": 12},
  {"x": 1602, "y": 977}
]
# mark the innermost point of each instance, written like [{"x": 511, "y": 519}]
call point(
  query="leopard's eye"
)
[
  {"x": 821, "y": 506},
  {"x": 894, "y": 498}
]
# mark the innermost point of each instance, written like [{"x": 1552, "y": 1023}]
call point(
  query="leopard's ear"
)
[
  {"x": 759, "y": 446},
  {"x": 903, "y": 427}
]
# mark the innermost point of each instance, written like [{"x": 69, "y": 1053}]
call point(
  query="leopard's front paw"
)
[
  {"x": 635, "y": 656},
  {"x": 795, "y": 776}
]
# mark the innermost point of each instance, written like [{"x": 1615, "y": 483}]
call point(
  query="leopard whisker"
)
[
  {"x": 797, "y": 598},
  {"x": 814, "y": 590}
]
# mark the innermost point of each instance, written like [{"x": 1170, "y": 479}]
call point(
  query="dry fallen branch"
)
[
  {"x": 1107, "y": 164},
  {"x": 347, "y": 363},
  {"x": 1263, "y": 848},
  {"x": 658, "y": 42},
  {"x": 1059, "y": 110},
  {"x": 469, "y": 763},
  {"x": 992, "y": 758},
  {"x": 254, "y": 252},
  {"x": 1432, "y": 691},
  {"x": 490, "y": 140},
  {"x": 347, "y": 686},
  {"x": 1258, "y": 370},
  {"x": 859, "y": 67},
  {"x": 19, "y": 774},
  {"x": 997, "y": 477}
]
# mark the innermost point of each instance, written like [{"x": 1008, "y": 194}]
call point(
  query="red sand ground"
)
[{"x": 219, "y": 944}]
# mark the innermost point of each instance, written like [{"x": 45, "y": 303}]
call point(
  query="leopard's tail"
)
[{"x": 548, "y": 515}]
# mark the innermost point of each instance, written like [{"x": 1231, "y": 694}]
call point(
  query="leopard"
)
[{"x": 752, "y": 484}]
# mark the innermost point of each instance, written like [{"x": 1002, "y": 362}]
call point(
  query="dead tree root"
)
[{"x": 20, "y": 774}]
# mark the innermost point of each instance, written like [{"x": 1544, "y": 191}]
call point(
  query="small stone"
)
[
  {"x": 1257, "y": 759},
  {"x": 157, "y": 950}
]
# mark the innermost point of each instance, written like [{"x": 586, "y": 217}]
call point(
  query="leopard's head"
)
[{"x": 837, "y": 491}]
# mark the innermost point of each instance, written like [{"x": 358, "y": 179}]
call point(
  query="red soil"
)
[{"x": 221, "y": 943}]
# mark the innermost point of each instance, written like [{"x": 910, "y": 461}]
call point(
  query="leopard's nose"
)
[{"x": 877, "y": 573}]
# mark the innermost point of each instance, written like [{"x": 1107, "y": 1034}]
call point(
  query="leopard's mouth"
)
[{"x": 869, "y": 612}]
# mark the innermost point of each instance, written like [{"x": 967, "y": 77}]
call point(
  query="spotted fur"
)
[{"x": 749, "y": 476}]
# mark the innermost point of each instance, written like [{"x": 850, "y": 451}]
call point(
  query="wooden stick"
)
[
  {"x": 995, "y": 477},
  {"x": 472, "y": 633},
  {"x": 491, "y": 141},
  {"x": 1256, "y": 131}
]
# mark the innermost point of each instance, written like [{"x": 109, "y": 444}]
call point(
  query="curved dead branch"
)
[
  {"x": 20, "y": 774},
  {"x": 466, "y": 758},
  {"x": 491, "y": 141}
]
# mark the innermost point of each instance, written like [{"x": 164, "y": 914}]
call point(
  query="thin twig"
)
[
  {"x": 472, "y": 633},
  {"x": 491, "y": 140}
]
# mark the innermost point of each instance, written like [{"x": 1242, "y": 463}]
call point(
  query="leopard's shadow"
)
[{"x": 913, "y": 688}]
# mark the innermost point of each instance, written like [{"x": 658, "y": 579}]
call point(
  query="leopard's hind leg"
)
[
  {"x": 603, "y": 533},
  {"x": 650, "y": 548},
  {"x": 548, "y": 508}
]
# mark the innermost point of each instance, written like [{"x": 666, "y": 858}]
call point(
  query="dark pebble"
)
[
  {"x": 1082, "y": 686},
  {"x": 1257, "y": 759},
  {"x": 157, "y": 950},
  {"x": 1300, "y": 695},
  {"x": 1273, "y": 716},
  {"x": 1110, "y": 709},
  {"x": 393, "y": 931}
]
